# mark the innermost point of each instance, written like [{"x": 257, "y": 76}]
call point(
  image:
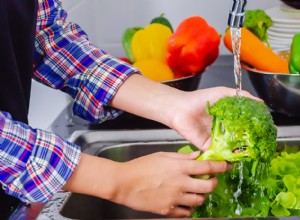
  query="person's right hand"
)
[{"x": 162, "y": 183}]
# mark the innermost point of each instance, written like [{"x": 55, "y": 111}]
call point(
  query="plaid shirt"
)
[{"x": 35, "y": 164}]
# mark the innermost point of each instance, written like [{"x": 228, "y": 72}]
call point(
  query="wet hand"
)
[
  {"x": 162, "y": 183},
  {"x": 189, "y": 116}
]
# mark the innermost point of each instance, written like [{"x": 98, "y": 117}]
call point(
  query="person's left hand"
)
[
  {"x": 182, "y": 111},
  {"x": 189, "y": 116}
]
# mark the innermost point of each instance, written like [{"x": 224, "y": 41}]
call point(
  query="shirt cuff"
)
[
  {"x": 47, "y": 170},
  {"x": 101, "y": 84}
]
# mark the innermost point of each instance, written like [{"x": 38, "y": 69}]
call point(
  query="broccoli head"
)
[
  {"x": 242, "y": 129},
  {"x": 258, "y": 22}
]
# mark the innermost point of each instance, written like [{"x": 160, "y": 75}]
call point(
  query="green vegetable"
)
[
  {"x": 294, "y": 62},
  {"x": 242, "y": 129},
  {"x": 243, "y": 132},
  {"x": 162, "y": 20},
  {"x": 187, "y": 149},
  {"x": 126, "y": 41},
  {"x": 238, "y": 194},
  {"x": 285, "y": 192},
  {"x": 258, "y": 22}
]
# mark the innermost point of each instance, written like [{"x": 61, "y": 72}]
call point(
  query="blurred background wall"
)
[{"x": 105, "y": 21}]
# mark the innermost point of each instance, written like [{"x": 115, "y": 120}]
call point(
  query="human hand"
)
[
  {"x": 189, "y": 116},
  {"x": 182, "y": 111},
  {"x": 162, "y": 183}
]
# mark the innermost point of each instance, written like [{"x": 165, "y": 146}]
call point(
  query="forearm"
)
[
  {"x": 146, "y": 98},
  {"x": 94, "y": 176}
]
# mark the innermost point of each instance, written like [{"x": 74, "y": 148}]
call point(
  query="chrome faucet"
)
[{"x": 237, "y": 14}]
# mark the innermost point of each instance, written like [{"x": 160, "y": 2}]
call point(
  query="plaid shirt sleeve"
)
[
  {"x": 34, "y": 164},
  {"x": 66, "y": 60}
]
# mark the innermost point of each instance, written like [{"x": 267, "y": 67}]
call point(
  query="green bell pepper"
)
[
  {"x": 162, "y": 20},
  {"x": 126, "y": 41},
  {"x": 294, "y": 62}
]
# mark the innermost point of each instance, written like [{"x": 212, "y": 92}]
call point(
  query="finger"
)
[
  {"x": 200, "y": 142},
  {"x": 190, "y": 156},
  {"x": 205, "y": 145},
  {"x": 191, "y": 199},
  {"x": 201, "y": 186},
  {"x": 181, "y": 212},
  {"x": 206, "y": 167}
]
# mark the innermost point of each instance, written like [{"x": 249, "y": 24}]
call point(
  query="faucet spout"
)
[{"x": 237, "y": 14}]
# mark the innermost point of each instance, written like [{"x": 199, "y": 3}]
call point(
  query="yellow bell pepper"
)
[
  {"x": 151, "y": 42},
  {"x": 155, "y": 69}
]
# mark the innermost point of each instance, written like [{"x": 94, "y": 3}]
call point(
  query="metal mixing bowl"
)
[
  {"x": 188, "y": 83},
  {"x": 281, "y": 92},
  {"x": 292, "y": 3}
]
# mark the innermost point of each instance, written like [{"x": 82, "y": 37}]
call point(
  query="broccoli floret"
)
[
  {"x": 242, "y": 129},
  {"x": 258, "y": 22}
]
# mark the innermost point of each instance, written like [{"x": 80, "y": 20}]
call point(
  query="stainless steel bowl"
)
[
  {"x": 292, "y": 3},
  {"x": 188, "y": 83},
  {"x": 281, "y": 92}
]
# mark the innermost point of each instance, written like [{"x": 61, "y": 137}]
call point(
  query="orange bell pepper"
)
[{"x": 193, "y": 46}]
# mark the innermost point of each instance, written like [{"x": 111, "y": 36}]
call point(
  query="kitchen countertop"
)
[{"x": 219, "y": 74}]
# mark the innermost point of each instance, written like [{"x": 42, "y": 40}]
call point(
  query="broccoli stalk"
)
[
  {"x": 222, "y": 148},
  {"x": 258, "y": 22}
]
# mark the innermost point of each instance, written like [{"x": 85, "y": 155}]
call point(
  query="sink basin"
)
[
  {"x": 124, "y": 145},
  {"x": 87, "y": 207},
  {"x": 131, "y": 144}
]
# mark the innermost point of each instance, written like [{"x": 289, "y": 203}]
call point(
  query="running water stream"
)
[
  {"x": 235, "y": 22},
  {"x": 236, "y": 46},
  {"x": 239, "y": 166}
]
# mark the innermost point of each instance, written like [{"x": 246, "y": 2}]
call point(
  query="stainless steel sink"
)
[
  {"x": 131, "y": 144},
  {"x": 87, "y": 207},
  {"x": 124, "y": 146}
]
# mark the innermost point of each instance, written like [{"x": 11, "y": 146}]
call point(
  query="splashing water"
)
[
  {"x": 210, "y": 205},
  {"x": 238, "y": 192},
  {"x": 236, "y": 46}
]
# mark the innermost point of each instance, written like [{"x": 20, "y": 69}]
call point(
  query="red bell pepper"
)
[{"x": 193, "y": 46}]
